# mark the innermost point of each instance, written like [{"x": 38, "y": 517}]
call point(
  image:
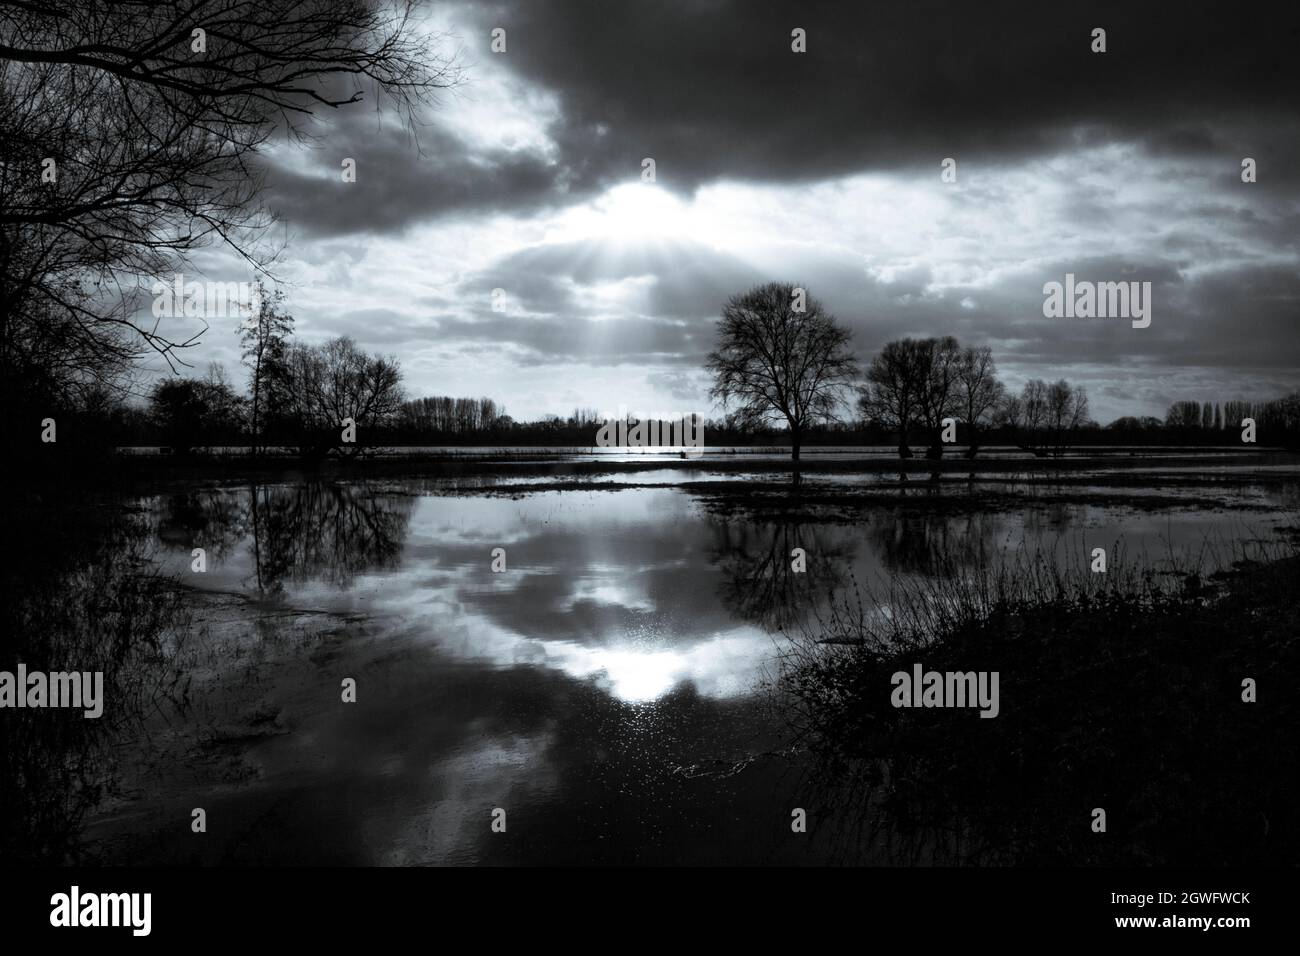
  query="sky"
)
[{"x": 821, "y": 168}]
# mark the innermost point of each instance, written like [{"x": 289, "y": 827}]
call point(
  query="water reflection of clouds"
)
[
  {"x": 628, "y": 589},
  {"x": 635, "y": 664},
  {"x": 615, "y": 593}
]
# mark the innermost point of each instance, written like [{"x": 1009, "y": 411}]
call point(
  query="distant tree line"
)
[
  {"x": 444, "y": 416},
  {"x": 784, "y": 376},
  {"x": 1214, "y": 422},
  {"x": 184, "y": 414}
]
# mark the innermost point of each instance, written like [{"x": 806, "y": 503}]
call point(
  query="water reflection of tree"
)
[
  {"x": 82, "y": 598},
  {"x": 213, "y": 520},
  {"x": 1055, "y": 516},
  {"x": 930, "y": 543},
  {"x": 324, "y": 530},
  {"x": 759, "y": 582},
  {"x": 295, "y": 532}
]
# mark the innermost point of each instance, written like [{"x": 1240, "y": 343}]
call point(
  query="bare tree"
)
[
  {"x": 778, "y": 362},
  {"x": 1067, "y": 410},
  {"x": 1026, "y": 415},
  {"x": 1184, "y": 414},
  {"x": 153, "y": 114},
  {"x": 336, "y": 381},
  {"x": 978, "y": 391},
  {"x": 264, "y": 337},
  {"x": 939, "y": 362},
  {"x": 1034, "y": 400},
  {"x": 920, "y": 382},
  {"x": 1011, "y": 412},
  {"x": 47, "y": 362},
  {"x": 1044, "y": 416},
  {"x": 891, "y": 397},
  {"x": 190, "y": 412}
]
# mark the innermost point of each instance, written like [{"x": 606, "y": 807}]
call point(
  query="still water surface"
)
[{"x": 610, "y": 690}]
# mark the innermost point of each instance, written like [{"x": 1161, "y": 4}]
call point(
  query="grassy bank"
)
[{"x": 1120, "y": 691}]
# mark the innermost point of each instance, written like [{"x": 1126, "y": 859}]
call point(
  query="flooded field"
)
[{"x": 601, "y": 663}]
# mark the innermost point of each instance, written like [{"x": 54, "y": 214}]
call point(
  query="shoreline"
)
[{"x": 132, "y": 469}]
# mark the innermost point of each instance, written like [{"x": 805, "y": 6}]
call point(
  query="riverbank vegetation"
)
[{"x": 1160, "y": 697}]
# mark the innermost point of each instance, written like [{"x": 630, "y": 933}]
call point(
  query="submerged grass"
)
[{"x": 1121, "y": 691}]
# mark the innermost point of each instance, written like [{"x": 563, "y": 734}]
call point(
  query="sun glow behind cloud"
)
[{"x": 632, "y": 212}]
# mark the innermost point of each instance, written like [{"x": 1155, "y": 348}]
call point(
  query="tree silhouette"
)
[
  {"x": 978, "y": 392},
  {"x": 940, "y": 360},
  {"x": 892, "y": 393},
  {"x": 916, "y": 382},
  {"x": 780, "y": 357},
  {"x": 326, "y": 384},
  {"x": 153, "y": 115},
  {"x": 265, "y": 340}
]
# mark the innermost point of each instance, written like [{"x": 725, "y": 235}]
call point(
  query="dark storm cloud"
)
[
  {"x": 1247, "y": 317},
  {"x": 398, "y": 184},
  {"x": 1242, "y": 318},
  {"x": 712, "y": 89}
]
